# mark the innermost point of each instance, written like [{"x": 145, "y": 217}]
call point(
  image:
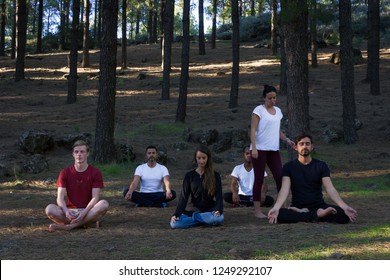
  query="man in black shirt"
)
[{"x": 305, "y": 177}]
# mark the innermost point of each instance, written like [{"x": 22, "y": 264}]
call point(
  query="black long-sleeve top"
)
[{"x": 192, "y": 186}]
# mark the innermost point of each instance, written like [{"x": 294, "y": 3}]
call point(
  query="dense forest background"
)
[{"x": 291, "y": 29}]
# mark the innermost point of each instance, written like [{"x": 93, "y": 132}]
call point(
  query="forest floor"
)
[{"x": 140, "y": 233}]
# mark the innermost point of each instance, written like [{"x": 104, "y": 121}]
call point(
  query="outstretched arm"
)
[
  {"x": 234, "y": 189},
  {"x": 134, "y": 184},
  {"x": 167, "y": 185},
  {"x": 254, "y": 124},
  {"x": 282, "y": 196},
  {"x": 334, "y": 195}
]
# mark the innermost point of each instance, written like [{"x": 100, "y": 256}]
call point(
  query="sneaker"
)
[
  {"x": 137, "y": 205},
  {"x": 164, "y": 204}
]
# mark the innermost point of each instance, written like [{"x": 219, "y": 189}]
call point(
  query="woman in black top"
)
[{"x": 204, "y": 186}]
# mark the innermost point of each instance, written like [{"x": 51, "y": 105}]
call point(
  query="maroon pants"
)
[{"x": 274, "y": 162}]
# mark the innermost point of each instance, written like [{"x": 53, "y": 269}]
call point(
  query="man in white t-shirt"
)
[
  {"x": 151, "y": 177},
  {"x": 241, "y": 184}
]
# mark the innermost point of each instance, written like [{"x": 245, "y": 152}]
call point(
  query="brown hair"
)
[
  {"x": 209, "y": 176},
  {"x": 80, "y": 143}
]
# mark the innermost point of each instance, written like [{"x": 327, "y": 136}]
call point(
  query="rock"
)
[
  {"x": 35, "y": 164},
  {"x": 36, "y": 141},
  {"x": 124, "y": 153}
]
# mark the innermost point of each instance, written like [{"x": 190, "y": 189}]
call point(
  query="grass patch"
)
[
  {"x": 158, "y": 129},
  {"x": 115, "y": 170},
  {"x": 368, "y": 187}
]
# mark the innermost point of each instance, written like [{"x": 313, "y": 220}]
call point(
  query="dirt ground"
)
[{"x": 138, "y": 233}]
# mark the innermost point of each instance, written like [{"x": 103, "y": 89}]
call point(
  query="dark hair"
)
[
  {"x": 245, "y": 147},
  {"x": 80, "y": 143},
  {"x": 268, "y": 89},
  {"x": 303, "y": 135},
  {"x": 151, "y": 147},
  {"x": 209, "y": 176}
]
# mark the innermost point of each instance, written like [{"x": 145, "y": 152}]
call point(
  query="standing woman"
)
[
  {"x": 204, "y": 186},
  {"x": 265, "y": 136}
]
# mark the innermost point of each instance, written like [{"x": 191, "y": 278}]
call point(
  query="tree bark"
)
[
  {"x": 40, "y": 26},
  {"x": 295, "y": 19},
  {"x": 233, "y": 101},
  {"x": 2, "y": 27},
  {"x": 373, "y": 59},
  {"x": 202, "y": 44},
  {"x": 214, "y": 25},
  {"x": 283, "y": 74},
  {"x": 313, "y": 33},
  {"x": 185, "y": 60},
  {"x": 87, "y": 8},
  {"x": 72, "y": 78},
  {"x": 14, "y": 27},
  {"x": 168, "y": 19},
  {"x": 21, "y": 34},
  {"x": 124, "y": 35},
  {"x": 274, "y": 27},
  {"x": 347, "y": 72},
  {"x": 104, "y": 151}
]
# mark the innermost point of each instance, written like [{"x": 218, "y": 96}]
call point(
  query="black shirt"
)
[
  {"x": 306, "y": 182},
  {"x": 192, "y": 186}
]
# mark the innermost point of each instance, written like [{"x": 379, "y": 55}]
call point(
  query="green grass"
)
[
  {"x": 368, "y": 187},
  {"x": 159, "y": 129}
]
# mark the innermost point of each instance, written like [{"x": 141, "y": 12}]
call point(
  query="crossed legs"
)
[{"x": 55, "y": 213}]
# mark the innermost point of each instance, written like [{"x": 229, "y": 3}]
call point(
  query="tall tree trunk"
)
[
  {"x": 202, "y": 44},
  {"x": 124, "y": 35},
  {"x": 64, "y": 23},
  {"x": 87, "y": 8},
  {"x": 313, "y": 33},
  {"x": 253, "y": 8},
  {"x": 150, "y": 22},
  {"x": 99, "y": 28},
  {"x": 233, "y": 101},
  {"x": 167, "y": 47},
  {"x": 274, "y": 27},
  {"x": 96, "y": 12},
  {"x": 21, "y": 34},
  {"x": 295, "y": 20},
  {"x": 283, "y": 74},
  {"x": 14, "y": 27},
  {"x": 373, "y": 59},
  {"x": 214, "y": 25},
  {"x": 74, "y": 44},
  {"x": 40, "y": 26},
  {"x": 347, "y": 72},
  {"x": 185, "y": 61},
  {"x": 2, "y": 27},
  {"x": 104, "y": 151}
]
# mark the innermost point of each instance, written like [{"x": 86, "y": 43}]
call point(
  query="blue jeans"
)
[{"x": 197, "y": 218}]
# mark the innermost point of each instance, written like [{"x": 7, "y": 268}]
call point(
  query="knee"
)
[
  {"x": 103, "y": 206},
  {"x": 50, "y": 209}
]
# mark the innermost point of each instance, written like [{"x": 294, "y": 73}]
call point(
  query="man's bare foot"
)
[
  {"x": 325, "y": 212},
  {"x": 54, "y": 227},
  {"x": 260, "y": 215},
  {"x": 299, "y": 210}
]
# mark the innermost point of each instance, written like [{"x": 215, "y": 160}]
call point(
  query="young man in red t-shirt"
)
[{"x": 78, "y": 190}]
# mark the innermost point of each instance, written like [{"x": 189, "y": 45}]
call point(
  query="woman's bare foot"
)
[
  {"x": 260, "y": 215},
  {"x": 299, "y": 210},
  {"x": 325, "y": 212}
]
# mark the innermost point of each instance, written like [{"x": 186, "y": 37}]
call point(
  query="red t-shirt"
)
[{"x": 79, "y": 185}]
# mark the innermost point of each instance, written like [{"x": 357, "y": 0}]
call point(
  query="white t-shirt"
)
[
  {"x": 245, "y": 179},
  {"x": 151, "y": 178},
  {"x": 268, "y": 130}
]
